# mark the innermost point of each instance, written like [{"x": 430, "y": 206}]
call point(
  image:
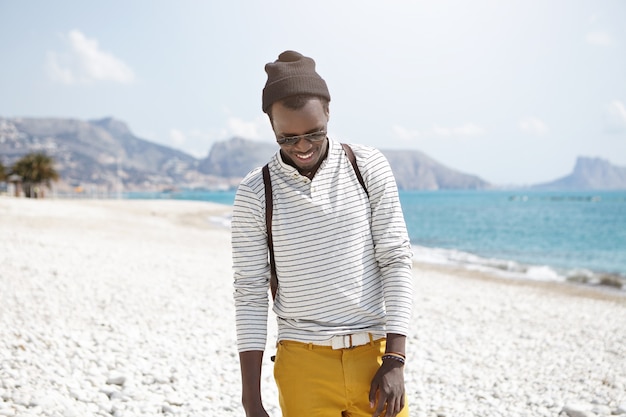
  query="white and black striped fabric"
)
[{"x": 343, "y": 260}]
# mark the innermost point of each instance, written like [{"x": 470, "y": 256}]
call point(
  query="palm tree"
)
[{"x": 35, "y": 169}]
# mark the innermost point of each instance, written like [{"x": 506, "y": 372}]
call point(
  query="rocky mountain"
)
[
  {"x": 104, "y": 155},
  {"x": 236, "y": 157},
  {"x": 415, "y": 170},
  {"x": 100, "y": 155},
  {"x": 590, "y": 174}
]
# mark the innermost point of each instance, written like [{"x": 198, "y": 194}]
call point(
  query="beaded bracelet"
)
[{"x": 394, "y": 357}]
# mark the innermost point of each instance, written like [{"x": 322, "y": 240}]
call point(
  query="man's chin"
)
[{"x": 305, "y": 167}]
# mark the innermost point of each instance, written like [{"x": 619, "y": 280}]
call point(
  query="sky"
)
[{"x": 512, "y": 91}]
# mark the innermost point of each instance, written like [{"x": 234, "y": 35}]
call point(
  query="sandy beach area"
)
[{"x": 124, "y": 308}]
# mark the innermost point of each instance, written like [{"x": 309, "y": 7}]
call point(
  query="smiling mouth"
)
[{"x": 304, "y": 156}]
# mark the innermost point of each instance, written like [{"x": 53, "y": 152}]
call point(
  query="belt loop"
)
[
  {"x": 371, "y": 339},
  {"x": 310, "y": 346}
]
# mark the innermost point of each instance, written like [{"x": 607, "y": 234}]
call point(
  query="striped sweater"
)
[{"x": 343, "y": 260}]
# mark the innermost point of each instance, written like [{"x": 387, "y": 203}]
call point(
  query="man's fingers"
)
[
  {"x": 380, "y": 406},
  {"x": 372, "y": 396},
  {"x": 393, "y": 408}
]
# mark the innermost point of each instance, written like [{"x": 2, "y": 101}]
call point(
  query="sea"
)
[{"x": 537, "y": 235}]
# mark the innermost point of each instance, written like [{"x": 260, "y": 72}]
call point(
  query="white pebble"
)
[{"x": 116, "y": 380}]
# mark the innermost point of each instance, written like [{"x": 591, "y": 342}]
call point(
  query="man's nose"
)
[{"x": 303, "y": 145}]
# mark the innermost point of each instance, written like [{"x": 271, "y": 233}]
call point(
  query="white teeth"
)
[{"x": 307, "y": 156}]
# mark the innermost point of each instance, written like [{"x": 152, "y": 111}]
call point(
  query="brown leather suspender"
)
[
  {"x": 269, "y": 207},
  {"x": 348, "y": 150}
]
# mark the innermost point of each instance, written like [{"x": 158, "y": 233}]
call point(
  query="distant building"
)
[{"x": 14, "y": 185}]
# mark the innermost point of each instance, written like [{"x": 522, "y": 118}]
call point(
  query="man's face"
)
[{"x": 311, "y": 118}]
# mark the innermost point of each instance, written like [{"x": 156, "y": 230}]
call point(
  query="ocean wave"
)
[
  {"x": 221, "y": 221},
  {"x": 514, "y": 270}
]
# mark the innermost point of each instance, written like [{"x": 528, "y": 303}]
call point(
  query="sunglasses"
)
[{"x": 311, "y": 137}]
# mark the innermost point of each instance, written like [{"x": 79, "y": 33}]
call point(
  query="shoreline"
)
[{"x": 564, "y": 287}]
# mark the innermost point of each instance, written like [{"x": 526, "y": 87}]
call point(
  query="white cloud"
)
[
  {"x": 177, "y": 137},
  {"x": 86, "y": 63},
  {"x": 198, "y": 142},
  {"x": 404, "y": 133},
  {"x": 599, "y": 38},
  {"x": 258, "y": 128},
  {"x": 533, "y": 125},
  {"x": 616, "y": 117},
  {"x": 194, "y": 142}
]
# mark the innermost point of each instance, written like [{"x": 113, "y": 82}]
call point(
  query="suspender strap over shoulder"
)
[
  {"x": 269, "y": 208},
  {"x": 348, "y": 150}
]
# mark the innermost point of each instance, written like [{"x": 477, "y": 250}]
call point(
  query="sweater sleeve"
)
[
  {"x": 250, "y": 264},
  {"x": 391, "y": 241}
]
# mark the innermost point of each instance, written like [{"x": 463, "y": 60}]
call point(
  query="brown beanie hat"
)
[{"x": 292, "y": 74}]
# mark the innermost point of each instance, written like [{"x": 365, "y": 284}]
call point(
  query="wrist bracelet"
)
[
  {"x": 394, "y": 354},
  {"x": 394, "y": 357}
]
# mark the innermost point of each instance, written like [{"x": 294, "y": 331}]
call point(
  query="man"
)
[{"x": 342, "y": 258}]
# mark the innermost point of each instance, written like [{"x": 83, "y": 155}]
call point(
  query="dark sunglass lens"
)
[{"x": 290, "y": 141}]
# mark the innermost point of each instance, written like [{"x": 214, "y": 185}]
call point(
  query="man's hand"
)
[{"x": 387, "y": 388}]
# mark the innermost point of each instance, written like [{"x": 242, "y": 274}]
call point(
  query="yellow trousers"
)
[{"x": 317, "y": 381}]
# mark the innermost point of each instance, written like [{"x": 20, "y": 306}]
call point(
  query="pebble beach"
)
[{"x": 124, "y": 308}]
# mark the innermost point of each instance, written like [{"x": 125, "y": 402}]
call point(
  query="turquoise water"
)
[
  {"x": 561, "y": 230},
  {"x": 543, "y": 235}
]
